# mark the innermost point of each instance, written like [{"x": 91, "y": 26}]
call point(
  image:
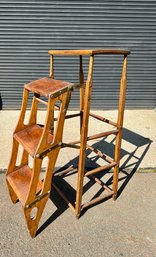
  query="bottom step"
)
[{"x": 19, "y": 180}]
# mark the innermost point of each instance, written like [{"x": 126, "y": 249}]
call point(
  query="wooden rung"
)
[
  {"x": 64, "y": 197},
  {"x": 57, "y": 107},
  {"x": 96, "y": 200},
  {"x": 101, "y": 183},
  {"x": 63, "y": 172},
  {"x": 101, "y": 168},
  {"x": 70, "y": 116},
  {"x": 41, "y": 101},
  {"x": 102, "y": 119},
  {"x": 100, "y": 154},
  {"x": 103, "y": 134},
  {"x": 70, "y": 146}
]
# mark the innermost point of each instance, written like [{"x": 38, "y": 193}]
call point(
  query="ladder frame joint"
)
[
  {"x": 44, "y": 153},
  {"x": 39, "y": 198}
]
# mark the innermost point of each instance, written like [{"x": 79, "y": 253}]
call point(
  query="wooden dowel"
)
[
  {"x": 70, "y": 145},
  {"x": 103, "y": 134},
  {"x": 96, "y": 200},
  {"x": 41, "y": 101},
  {"x": 51, "y": 72},
  {"x": 63, "y": 172},
  {"x": 100, "y": 154},
  {"x": 103, "y": 119},
  {"x": 57, "y": 107},
  {"x": 64, "y": 197},
  {"x": 101, "y": 183},
  {"x": 101, "y": 168},
  {"x": 71, "y": 116}
]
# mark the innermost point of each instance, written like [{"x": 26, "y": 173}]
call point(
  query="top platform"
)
[
  {"x": 89, "y": 52},
  {"x": 49, "y": 87}
]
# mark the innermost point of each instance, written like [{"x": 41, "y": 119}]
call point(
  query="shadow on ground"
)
[{"x": 129, "y": 166}]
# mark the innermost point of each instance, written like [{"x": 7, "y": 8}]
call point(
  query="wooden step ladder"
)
[
  {"x": 45, "y": 141},
  {"x": 85, "y": 114},
  {"x": 37, "y": 141}
]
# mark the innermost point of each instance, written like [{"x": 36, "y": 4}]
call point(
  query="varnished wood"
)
[
  {"x": 70, "y": 146},
  {"x": 13, "y": 158},
  {"x": 98, "y": 117},
  {"x": 29, "y": 138},
  {"x": 84, "y": 131},
  {"x": 96, "y": 200},
  {"x": 65, "y": 171},
  {"x": 86, "y": 113},
  {"x": 100, "y": 154},
  {"x": 57, "y": 138},
  {"x": 101, "y": 168},
  {"x": 24, "y": 183},
  {"x": 49, "y": 87},
  {"x": 20, "y": 182},
  {"x": 96, "y": 136},
  {"x": 101, "y": 183},
  {"x": 20, "y": 124},
  {"x": 51, "y": 72},
  {"x": 33, "y": 111},
  {"x": 69, "y": 116},
  {"x": 82, "y": 91},
  {"x": 41, "y": 101},
  {"x": 89, "y": 52},
  {"x": 120, "y": 125},
  {"x": 32, "y": 224},
  {"x": 46, "y": 141}
]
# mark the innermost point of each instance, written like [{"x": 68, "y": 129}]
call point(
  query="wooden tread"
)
[
  {"x": 29, "y": 138},
  {"x": 19, "y": 180},
  {"x": 48, "y": 87}
]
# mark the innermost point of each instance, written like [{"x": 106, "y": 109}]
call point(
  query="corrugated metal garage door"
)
[{"x": 28, "y": 29}]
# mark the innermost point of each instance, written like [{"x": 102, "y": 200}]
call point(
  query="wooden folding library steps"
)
[
  {"x": 45, "y": 141},
  {"x": 38, "y": 141}
]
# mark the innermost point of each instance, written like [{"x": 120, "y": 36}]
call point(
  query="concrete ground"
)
[{"x": 125, "y": 227}]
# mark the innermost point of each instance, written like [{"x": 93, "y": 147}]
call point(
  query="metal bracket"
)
[{"x": 41, "y": 155}]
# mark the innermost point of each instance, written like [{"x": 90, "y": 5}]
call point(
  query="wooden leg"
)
[
  {"x": 81, "y": 79},
  {"x": 32, "y": 220},
  {"x": 24, "y": 159},
  {"x": 37, "y": 164},
  {"x": 84, "y": 132},
  {"x": 119, "y": 125},
  {"x": 20, "y": 123},
  {"x": 117, "y": 160},
  {"x": 13, "y": 158},
  {"x": 32, "y": 202},
  {"x": 11, "y": 168},
  {"x": 51, "y": 75},
  {"x": 13, "y": 196}
]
